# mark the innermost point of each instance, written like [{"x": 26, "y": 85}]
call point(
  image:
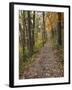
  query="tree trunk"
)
[
  {"x": 26, "y": 27},
  {"x": 59, "y": 29},
  {"x": 23, "y": 31},
  {"x": 29, "y": 34},
  {"x": 33, "y": 27},
  {"x": 43, "y": 32},
  {"x": 33, "y": 39}
]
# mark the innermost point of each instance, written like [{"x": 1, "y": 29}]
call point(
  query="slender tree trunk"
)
[
  {"x": 20, "y": 36},
  {"x": 43, "y": 33},
  {"x": 59, "y": 29},
  {"x": 33, "y": 39},
  {"x": 29, "y": 34},
  {"x": 23, "y": 31},
  {"x": 33, "y": 27}
]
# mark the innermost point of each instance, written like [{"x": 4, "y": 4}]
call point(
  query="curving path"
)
[{"x": 46, "y": 65}]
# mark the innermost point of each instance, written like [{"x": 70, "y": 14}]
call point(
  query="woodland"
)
[{"x": 41, "y": 44}]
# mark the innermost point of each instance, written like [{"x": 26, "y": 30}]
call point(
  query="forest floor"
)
[{"x": 46, "y": 64}]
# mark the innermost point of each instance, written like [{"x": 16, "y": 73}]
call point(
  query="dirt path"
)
[{"x": 45, "y": 65}]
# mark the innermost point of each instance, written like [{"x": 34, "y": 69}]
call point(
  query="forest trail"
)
[{"x": 46, "y": 64}]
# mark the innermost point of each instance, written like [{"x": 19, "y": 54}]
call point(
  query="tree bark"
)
[
  {"x": 59, "y": 29},
  {"x": 43, "y": 33},
  {"x": 23, "y": 31},
  {"x": 29, "y": 34},
  {"x": 33, "y": 28}
]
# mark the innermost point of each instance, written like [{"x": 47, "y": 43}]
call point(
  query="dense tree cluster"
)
[
  {"x": 36, "y": 28},
  {"x": 54, "y": 25},
  {"x": 32, "y": 31}
]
